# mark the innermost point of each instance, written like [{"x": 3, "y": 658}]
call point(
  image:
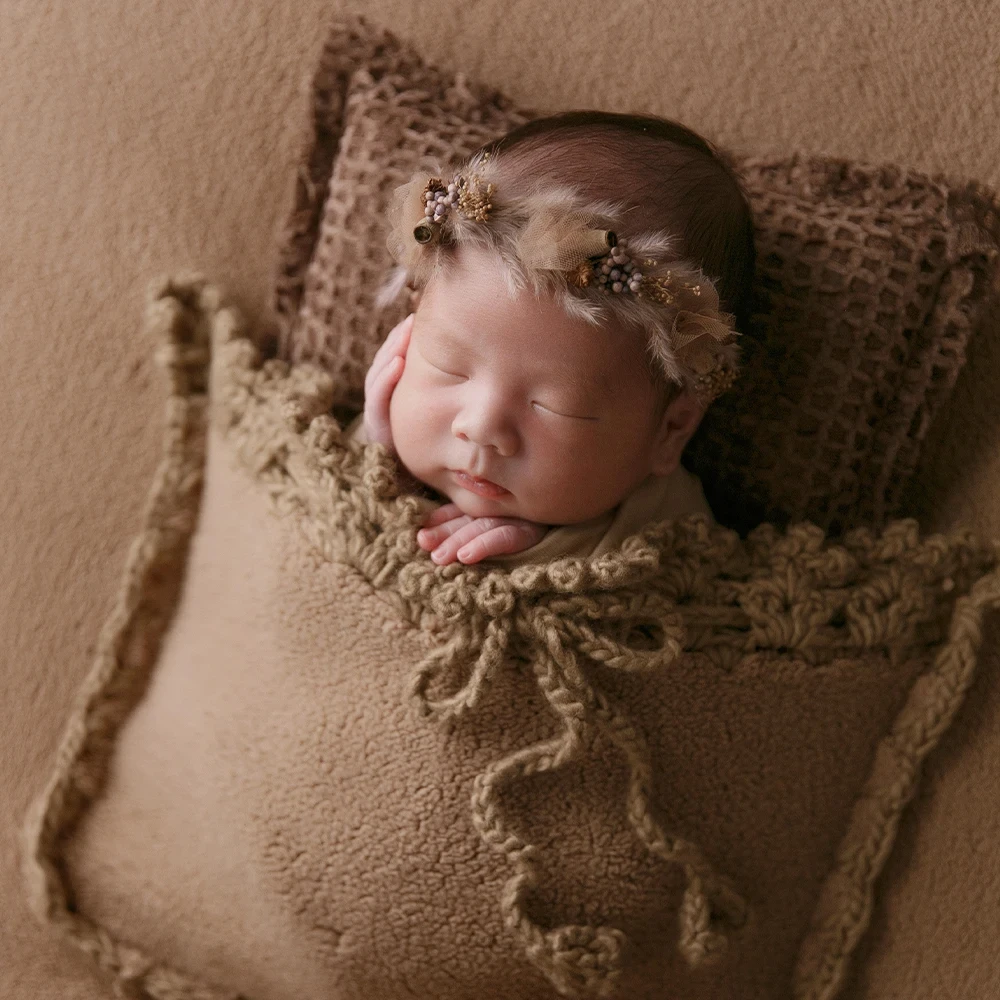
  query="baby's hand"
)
[
  {"x": 385, "y": 371},
  {"x": 451, "y": 535}
]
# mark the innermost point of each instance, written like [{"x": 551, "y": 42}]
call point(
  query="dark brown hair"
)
[{"x": 670, "y": 177}]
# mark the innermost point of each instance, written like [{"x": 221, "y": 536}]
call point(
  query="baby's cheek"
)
[
  {"x": 411, "y": 423},
  {"x": 582, "y": 479}
]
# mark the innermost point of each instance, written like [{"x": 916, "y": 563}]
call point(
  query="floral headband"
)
[{"x": 551, "y": 238}]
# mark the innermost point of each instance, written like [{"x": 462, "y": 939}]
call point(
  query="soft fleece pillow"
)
[
  {"x": 309, "y": 763},
  {"x": 870, "y": 281}
]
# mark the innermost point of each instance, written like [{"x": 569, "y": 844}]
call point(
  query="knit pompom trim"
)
[{"x": 684, "y": 587}]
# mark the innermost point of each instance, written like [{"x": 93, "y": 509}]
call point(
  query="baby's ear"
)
[{"x": 679, "y": 422}]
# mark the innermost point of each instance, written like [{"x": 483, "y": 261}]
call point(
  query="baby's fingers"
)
[
  {"x": 482, "y": 537},
  {"x": 399, "y": 336},
  {"x": 441, "y": 514},
  {"x": 431, "y": 536},
  {"x": 394, "y": 346},
  {"x": 377, "y": 399},
  {"x": 446, "y": 539},
  {"x": 501, "y": 540}
]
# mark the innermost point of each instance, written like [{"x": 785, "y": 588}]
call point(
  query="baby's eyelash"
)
[{"x": 569, "y": 416}]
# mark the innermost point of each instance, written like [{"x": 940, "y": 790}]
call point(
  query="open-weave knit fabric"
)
[
  {"x": 678, "y": 592},
  {"x": 870, "y": 281}
]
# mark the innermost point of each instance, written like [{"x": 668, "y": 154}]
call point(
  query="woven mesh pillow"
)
[{"x": 870, "y": 282}]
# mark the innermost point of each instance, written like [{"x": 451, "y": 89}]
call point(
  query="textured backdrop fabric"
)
[
  {"x": 308, "y": 763},
  {"x": 135, "y": 138}
]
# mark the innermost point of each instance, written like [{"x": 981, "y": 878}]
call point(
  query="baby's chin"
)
[
  {"x": 507, "y": 505},
  {"x": 510, "y": 506}
]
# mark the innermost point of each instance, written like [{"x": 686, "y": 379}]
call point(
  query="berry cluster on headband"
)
[
  {"x": 618, "y": 272},
  {"x": 615, "y": 271},
  {"x": 556, "y": 235},
  {"x": 467, "y": 198}
]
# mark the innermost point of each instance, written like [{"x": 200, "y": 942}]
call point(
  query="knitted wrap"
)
[{"x": 678, "y": 589}]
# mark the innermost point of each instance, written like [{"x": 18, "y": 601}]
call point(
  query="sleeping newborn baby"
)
[
  {"x": 545, "y": 386},
  {"x": 524, "y": 418}
]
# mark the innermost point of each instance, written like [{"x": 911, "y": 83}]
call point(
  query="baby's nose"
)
[{"x": 486, "y": 428}]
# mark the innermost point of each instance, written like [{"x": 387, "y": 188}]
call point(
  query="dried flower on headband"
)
[{"x": 551, "y": 238}]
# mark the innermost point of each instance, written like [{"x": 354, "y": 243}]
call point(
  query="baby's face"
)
[{"x": 556, "y": 414}]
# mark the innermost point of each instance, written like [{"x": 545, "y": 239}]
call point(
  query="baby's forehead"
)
[
  {"x": 587, "y": 360},
  {"x": 471, "y": 305}
]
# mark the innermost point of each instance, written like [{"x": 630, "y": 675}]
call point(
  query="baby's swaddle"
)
[{"x": 309, "y": 764}]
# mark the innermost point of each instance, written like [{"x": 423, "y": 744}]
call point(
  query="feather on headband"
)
[{"x": 551, "y": 238}]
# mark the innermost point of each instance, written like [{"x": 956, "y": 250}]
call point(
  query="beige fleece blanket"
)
[{"x": 310, "y": 764}]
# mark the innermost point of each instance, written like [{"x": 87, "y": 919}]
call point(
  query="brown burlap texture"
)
[
  {"x": 871, "y": 279},
  {"x": 308, "y": 764}
]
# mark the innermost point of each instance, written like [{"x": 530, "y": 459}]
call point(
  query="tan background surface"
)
[{"x": 142, "y": 137}]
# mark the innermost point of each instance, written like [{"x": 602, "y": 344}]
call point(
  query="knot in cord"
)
[{"x": 560, "y": 633}]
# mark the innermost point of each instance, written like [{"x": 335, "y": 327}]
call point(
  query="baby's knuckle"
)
[
  {"x": 501, "y": 524},
  {"x": 508, "y": 534}
]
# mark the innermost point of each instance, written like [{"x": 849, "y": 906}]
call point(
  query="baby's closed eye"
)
[
  {"x": 451, "y": 371},
  {"x": 561, "y": 413},
  {"x": 442, "y": 365},
  {"x": 450, "y": 374}
]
